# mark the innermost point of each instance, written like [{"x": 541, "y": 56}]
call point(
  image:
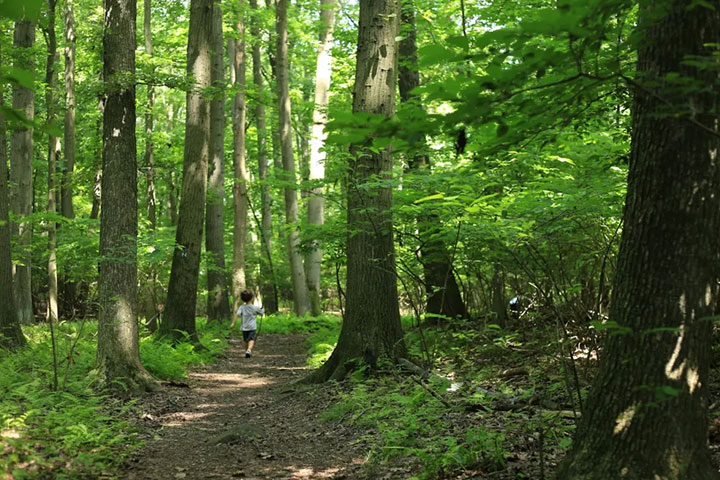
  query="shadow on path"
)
[{"x": 240, "y": 419}]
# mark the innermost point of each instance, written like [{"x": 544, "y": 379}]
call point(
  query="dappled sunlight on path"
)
[{"x": 240, "y": 419}]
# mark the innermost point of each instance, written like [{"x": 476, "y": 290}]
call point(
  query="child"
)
[{"x": 248, "y": 314}]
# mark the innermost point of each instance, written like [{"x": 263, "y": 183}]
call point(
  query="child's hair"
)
[{"x": 246, "y": 295}]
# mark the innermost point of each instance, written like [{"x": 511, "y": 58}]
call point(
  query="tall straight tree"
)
[
  {"x": 21, "y": 177},
  {"x": 66, "y": 189},
  {"x": 182, "y": 291},
  {"x": 118, "y": 355},
  {"x": 371, "y": 327},
  {"x": 267, "y": 280},
  {"x": 53, "y": 154},
  {"x": 315, "y": 203},
  {"x": 218, "y": 307},
  {"x": 149, "y": 121},
  {"x": 301, "y": 298},
  {"x": 646, "y": 415},
  {"x": 11, "y": 335},
  {"x": 240, "y": 182},
  {"x": 443, "y": 293}
]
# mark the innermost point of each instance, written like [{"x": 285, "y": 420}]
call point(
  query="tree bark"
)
[
  {"x": 267, "y": 277},
  {"x": 301, "y": 299},
  {"x": 182, "y": 291},
  {"x": 53, "y": 154},
  {"x": 68, "y": 288},
  {"x": 371, "y": 327},
  {"x": 149, "y": 143},
  {"x": 11, "y": 335},
  {"x": 443, "y": 293},
  {"x": 315, "y": 202},
  {"x": 240, "y": 182},
  {"x": 21, "y": 199},
  {"x": 118, "y": 357},
  {"x": 66, "y": 195},
  {"x": 646, "y": 415},
  {"x": 218, "y": 306}
]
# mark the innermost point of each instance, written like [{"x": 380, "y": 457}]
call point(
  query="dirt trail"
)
[{"x": 238, "y": 420}]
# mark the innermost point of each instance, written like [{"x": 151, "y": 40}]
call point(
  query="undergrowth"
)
[
  {"x": 76, "y": 431},
  {"x": 466, "y": 417}
]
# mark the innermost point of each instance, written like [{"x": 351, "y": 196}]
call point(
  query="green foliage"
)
[
  {"x": 403, "y": 419},
  {"x": 77, "y": 432}
]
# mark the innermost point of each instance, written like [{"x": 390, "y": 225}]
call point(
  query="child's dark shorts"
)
[{"x": 249, "y": 335}]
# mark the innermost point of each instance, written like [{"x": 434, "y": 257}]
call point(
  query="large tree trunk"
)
[
  {"x": 118, "y": 356},
  {"x": 149, "y": 144},
  {"x": 68, "y": 288},
  {"x": 218, "y": 304},
  {"x": 646, "y": 415},
  {"x": 240, "y": 182},
  {"x": 443, "y": 293},
  {"x": 315, "y": 203},
  {"x": 268, "y": 289},
  {"x": 301, "y": 299},
  {"x": 21, "y": 199},
  {"x": 53, "y": 154},
  {"x": 371, "y": 327},
  {"x": 66, "y": 195},
  {"x": 11, "y": 335},
  {"x": 182, "y": 291}
]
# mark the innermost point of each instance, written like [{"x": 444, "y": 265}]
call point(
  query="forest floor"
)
[{"x": 241, "y": 418}]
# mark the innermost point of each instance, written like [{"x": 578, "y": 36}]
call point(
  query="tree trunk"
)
[
  {"x": 315, "y": 203},
  {"x": 118, "y": 357},
  {"x": 443, "y": 293},
  {"x": 240, "y": 182},
  {"x": 498, "y": 296},
  {"x": 11, "y": 335},
  {"x": 646, "y": 415},
  {"x": 53, "y": 153},
  {"x": 67, "y": 288},
  {"x": 218, "y": 306},
  {"x": 21, "y": 173},
  {"x": 371, "y": 327},
  {"x": 182, "y": 291},
  {"x": 301, "y": 299},
  {"x": 66, "y": 196},
  {"x": 268, "y": 288},
  {"x": 149, "y": 144}
]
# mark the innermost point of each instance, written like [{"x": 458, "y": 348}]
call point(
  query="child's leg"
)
[{"x": 250, "y": 344}]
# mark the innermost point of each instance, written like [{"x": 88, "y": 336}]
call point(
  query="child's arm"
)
[{"x": 232, "y": 324}]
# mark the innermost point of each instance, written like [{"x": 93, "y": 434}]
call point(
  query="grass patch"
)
[{"x": 76, "y": 432}]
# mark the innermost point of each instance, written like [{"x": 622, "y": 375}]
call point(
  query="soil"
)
[{"x": 244, "y": 418}]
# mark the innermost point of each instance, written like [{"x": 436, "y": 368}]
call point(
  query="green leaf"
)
[
  {"x": 436, "y": 196},
  {"x": 21, "y": 9}
]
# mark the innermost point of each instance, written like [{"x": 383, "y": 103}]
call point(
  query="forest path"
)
[{"x": 239, "y": 419}]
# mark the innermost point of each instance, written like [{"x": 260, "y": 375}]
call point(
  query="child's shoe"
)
[{"x": 248, "y": 353}]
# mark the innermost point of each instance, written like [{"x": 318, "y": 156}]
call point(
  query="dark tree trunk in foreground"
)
[
  {"x": 371, "y": 327},
  {"x": 118, "y": 356},
  {"x": 21, "y": 178},
  {"x": 301, "y": 297},
  {"x": 182, "y": 291},
  {"x": 267, "y": 278},
  {"x": 11, "y": 335},
  {"x": 218, "y": 303},
  {"x": 646, "y": 416},
  {"x": 443, "y": 293}
]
